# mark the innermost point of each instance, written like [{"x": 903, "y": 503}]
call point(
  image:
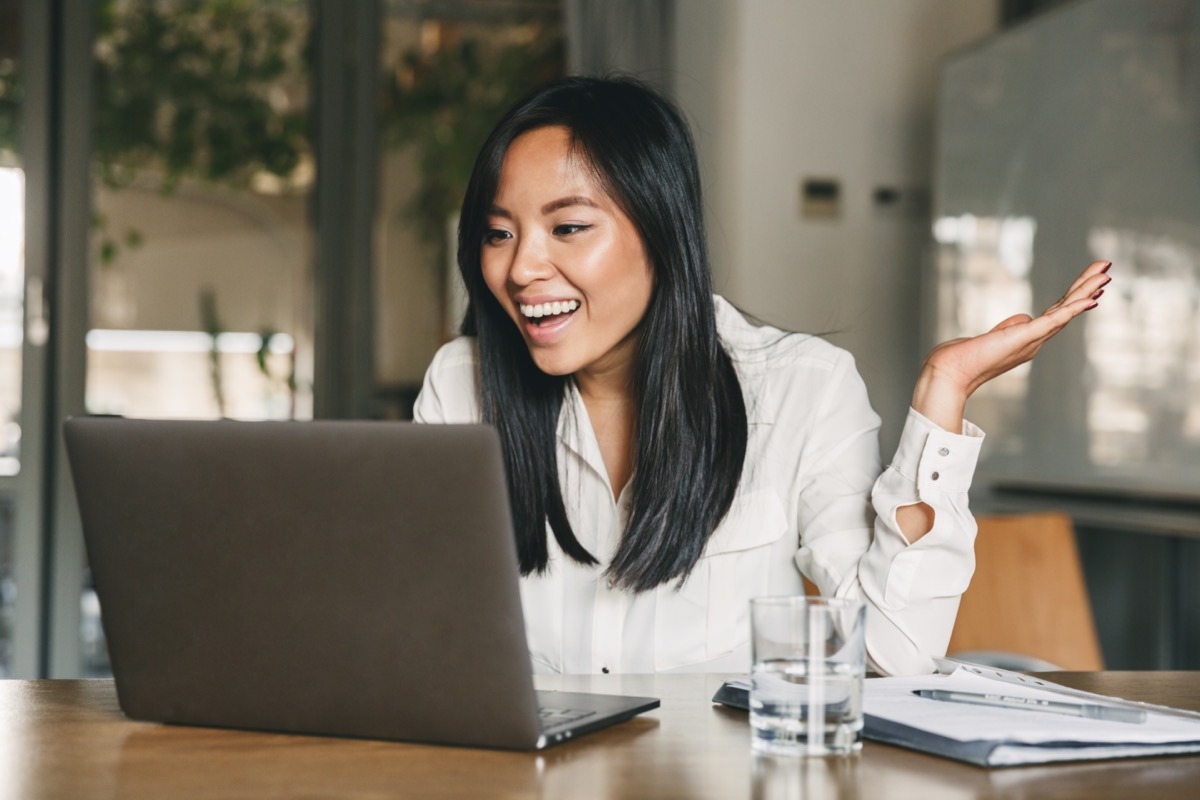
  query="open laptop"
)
[{"x": 337, "y": 578}]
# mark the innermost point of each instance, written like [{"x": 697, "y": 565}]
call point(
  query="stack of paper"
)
[{"x": 994, "y": 736}]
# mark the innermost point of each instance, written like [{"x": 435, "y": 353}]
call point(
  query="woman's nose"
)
[{"x": 531, "y": 262}]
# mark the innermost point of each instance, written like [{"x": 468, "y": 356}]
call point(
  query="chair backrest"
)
[{"x": 1028, "y": 595}]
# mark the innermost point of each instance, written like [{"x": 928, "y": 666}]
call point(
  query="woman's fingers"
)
[
  {"x": 1087, "y": 288},
  {"x": 1091, "y": 272},
  {"x": 1090, "y": 281},
  {"x": 1043, "y": 328}
]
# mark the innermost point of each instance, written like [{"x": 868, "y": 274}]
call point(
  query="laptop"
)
[{"x": 334, "y": 578}]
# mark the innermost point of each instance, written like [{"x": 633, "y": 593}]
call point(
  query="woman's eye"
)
[
  {"x": 495, "y": 235},
  {"x": 567, "y": 228}
]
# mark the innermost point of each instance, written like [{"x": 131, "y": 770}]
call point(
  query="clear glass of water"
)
[{"x": 806, "y": 683}]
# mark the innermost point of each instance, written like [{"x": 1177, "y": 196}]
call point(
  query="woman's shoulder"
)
[
  {"x": 457, "y": 354},
  {"x": 760, "y": 348},
  {"x": 451, "y": 389},
  {"x": 788, "y": 379}
]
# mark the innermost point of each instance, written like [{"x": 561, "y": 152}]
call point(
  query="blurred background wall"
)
[{"x": 838, "y": 97}]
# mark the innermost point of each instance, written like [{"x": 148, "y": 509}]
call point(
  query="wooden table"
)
[{"x": 68, "y": 739}]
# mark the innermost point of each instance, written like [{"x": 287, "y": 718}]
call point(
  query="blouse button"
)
[
  {"x": 945, "y": 451},
  {"x": 604, "y": 670},
  {"x": 935, "y": 476}
]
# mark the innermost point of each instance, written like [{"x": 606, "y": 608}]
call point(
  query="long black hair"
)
[{"x": 690, "y": 415}]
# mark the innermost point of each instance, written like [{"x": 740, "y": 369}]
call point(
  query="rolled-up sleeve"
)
[
  {"x": 918, "y": 585},
  {"x": 911, "y": 590}
]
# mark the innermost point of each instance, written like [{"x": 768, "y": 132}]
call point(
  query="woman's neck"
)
[{"x": 609, "y": 399}]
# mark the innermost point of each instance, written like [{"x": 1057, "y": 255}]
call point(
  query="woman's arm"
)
[
  {"x": 954, "y": 370},
  {"x": 851, "y": 544},
  {"x": 912, "y": 568}
]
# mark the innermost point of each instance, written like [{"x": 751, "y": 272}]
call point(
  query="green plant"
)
[
  {"x": 200, "y": 89},
  {"x": 11, "y": 95}
]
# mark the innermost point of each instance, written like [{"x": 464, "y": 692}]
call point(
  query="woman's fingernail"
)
[
  {"x": 1107, "y": 266},
  {"x": 1091, "y": 305},
  {"x": 1107, "y": 281},
  {"x": 1096, "y": 296}
]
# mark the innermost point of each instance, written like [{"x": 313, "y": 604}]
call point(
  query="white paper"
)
[{"x": 893, "y": 699}]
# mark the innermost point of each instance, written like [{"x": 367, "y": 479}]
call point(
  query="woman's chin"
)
[{"x": 553, "y": 366}]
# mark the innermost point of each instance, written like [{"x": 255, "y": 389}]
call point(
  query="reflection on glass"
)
[
  {"x": 1144, "y": 351},
  {"x": 792, "y": 778},
  {"x": 449, "y": 70}
]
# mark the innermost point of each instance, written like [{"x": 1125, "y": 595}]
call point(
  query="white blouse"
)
[{"x": 803, "y": 506}]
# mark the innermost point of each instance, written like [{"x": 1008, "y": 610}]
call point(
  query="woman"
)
[{"x": 668, "y": 460}]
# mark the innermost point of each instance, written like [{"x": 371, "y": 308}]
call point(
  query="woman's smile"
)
[{"x": 547, "y": 322}]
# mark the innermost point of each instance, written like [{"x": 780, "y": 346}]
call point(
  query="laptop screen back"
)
[{"x": 347, "y": 578}]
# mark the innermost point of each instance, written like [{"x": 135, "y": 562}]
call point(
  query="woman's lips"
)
[{"x": 547, "y": 330}]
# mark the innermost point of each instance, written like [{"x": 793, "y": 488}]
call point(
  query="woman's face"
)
[{"x": 564, "y": 261}]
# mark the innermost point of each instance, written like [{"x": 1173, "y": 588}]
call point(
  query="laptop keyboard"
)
[{"x": 554, "y": 717}]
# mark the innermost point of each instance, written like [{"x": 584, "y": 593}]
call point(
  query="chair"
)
[{"x": 1027, "y": 606}]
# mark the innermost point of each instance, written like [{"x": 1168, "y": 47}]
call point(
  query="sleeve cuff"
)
[{"x": 934, "y": 459}]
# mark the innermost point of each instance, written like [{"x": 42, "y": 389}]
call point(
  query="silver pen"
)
[{"x": 1088, "y": 710}]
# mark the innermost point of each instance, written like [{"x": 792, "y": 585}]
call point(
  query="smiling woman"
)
[
  {"x": 668, "y": 459},
  {"x": 592, "y": 172}
]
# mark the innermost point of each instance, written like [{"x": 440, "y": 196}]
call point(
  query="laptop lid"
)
[{"x": 339, "y": 578}]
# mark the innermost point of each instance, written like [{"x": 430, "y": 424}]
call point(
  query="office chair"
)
[{"x": 1027, "y": 607}]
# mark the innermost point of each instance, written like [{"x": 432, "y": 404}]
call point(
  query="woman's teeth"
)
[{"x": 549, "y": 309}]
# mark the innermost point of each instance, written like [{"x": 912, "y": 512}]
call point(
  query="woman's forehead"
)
[{"x": 548, "y": 161}]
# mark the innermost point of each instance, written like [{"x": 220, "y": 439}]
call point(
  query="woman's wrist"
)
[{"x": 939, "y": 400}]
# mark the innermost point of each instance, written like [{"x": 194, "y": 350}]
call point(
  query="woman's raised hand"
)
[{"x": 955, "y": 369}]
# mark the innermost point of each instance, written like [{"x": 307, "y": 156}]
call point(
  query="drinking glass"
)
[{"x": 809, "y": 658}]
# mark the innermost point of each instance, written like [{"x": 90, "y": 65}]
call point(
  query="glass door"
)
[{"x": 12, "y": 311}]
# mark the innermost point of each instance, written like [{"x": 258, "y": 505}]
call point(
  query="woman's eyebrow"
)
[{"x": 564, "y": 202}]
